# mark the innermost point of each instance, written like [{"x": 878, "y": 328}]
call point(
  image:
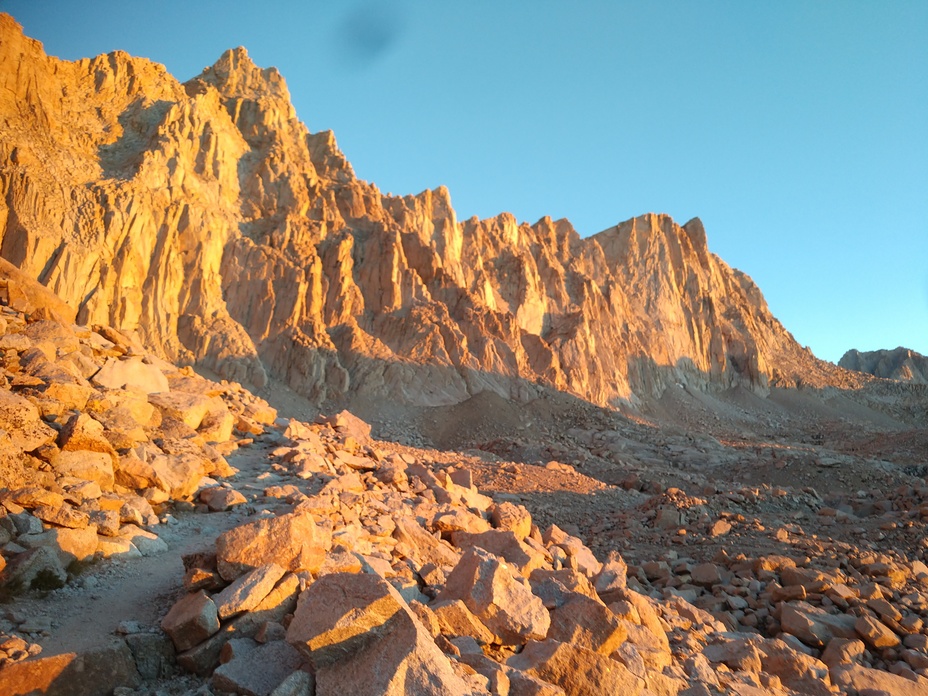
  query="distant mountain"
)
[
  {"x": 205, "y": 216},
  {"x": 900, "y": 364}
]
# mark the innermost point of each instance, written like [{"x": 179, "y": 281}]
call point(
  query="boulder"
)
[
  {"x": 258, "y": 671},
  {"x": 455, "y": 619},
  {"x": 248, "y": 591},
  {"x": 32, "y": 497},
  {"x": 62, "y": 516},
  {"x": 203, "y": 658},
  {"x": 122, "y": 431},
  {"x": 504, "y": 544},
  {"x": 814, "y": 626},
  {"x": 153, "y": 653},
  {"x": 349, "y": 425},
  {"x": 587, "y": 623},
  {"x": 575, "y": 548},
  {"x": 131, "y": 373},
  {"x": 299, "y": 683},
  {"x": 875, "y": 633},
  {"x": 578, "y": 671},
  {"x": 524, "y": 684},
  {"x": 116, "y": 547},
  {"x": 795, "y": 669},
  {"x": 148, "y": 543},
  {"x": 83, "y": 433},
  {"x": 218, "y": 423},
  {"x": 555, "y": 587},
  {"x": 37, "y": 568},
  {"x": 191, "y": 620},
  {"x": 219, "y": 498},
  {"x": 62, "y": 337},
  {"x": 843, "y": 651},
  {"x": 855, "y": 679},
  {"x": 190, "y": 409},
  {"x": 739, "y": 654},
  {"x": 292, "y": 541},
  {"x": 361, "y": 638},
  {"x": 69, "y": 544},
  {"x": 497, "y": 595},
  {"x": 20, "y": 419},
  {"x": 513, "y": 518},
  {"x": 612, "y": 578},
  {"x": 87, "y": 465},
  {"x": 94, "y": 672},
  {"x": 425, "y": 547},
  {"x": 178, "y": 475},
  {"x": 458, "y": 520}
]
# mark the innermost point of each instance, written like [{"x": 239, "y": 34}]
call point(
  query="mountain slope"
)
[
  {"x": 900, "y": 364},
  {"x": 205, "y": 216}
]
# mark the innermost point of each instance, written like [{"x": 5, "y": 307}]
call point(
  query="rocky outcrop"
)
[
  {"x": 206, "y": 217},
  {"x": 95, "y": 434},
  {"x": 900, "y": 364}
]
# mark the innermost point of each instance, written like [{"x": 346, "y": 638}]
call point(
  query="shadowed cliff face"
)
[{"x": 205, "y": 216}]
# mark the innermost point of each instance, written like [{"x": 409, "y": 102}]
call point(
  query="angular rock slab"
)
[
  {"x": 292, "y": 541},
  {"x": 191, "y": 620},
  {"x": 498, "y": 596},
  {"x": 259, "y": 671},
  {"x": 362, "y": 639},
  {"x": 248, "y": 591},
  {"x": 815, "y": 627},
  {"x": 586, "y": 623},
  {"x": 131, "y": 373},
  {"x": 94, "y": 673},
  {"x": 578, "y": 671},
  {"x": 855, "y": 678},
  {"x": 20, "y": 418}
]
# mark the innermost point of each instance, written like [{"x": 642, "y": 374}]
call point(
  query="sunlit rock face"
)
[
  {"x": 205, "y": 216},
  {"x": 900, "y": 364}
]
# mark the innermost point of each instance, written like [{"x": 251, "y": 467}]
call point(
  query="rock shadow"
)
[{"x": 122, "y": 158}]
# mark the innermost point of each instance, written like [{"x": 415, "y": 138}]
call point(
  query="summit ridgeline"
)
[{"x": 206, "y": 216}]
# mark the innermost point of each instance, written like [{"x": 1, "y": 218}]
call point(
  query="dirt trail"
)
[{"x": 87, "y": 612}]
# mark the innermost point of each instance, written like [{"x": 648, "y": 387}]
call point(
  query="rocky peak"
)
[
  {"x": 900, "y": 364},
  {"x": 236, "y": 76},
  {"x": 208, "y": 218}
]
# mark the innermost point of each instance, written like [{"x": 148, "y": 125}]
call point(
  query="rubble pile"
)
[
  {"x": 386, "y": 574},
  {"x": 357, "y": 566},
  {"x": 97, "y": 438}
]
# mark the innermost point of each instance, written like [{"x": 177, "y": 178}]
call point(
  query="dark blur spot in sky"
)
[{"x": 368, "y": 32}]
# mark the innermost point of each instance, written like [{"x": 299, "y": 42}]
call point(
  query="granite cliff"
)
[
  {"x": 900, "y": 364},
  {"x": 205, "y": 216}
]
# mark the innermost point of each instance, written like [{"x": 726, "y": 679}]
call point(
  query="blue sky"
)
[{"x": 797, "y": 131}]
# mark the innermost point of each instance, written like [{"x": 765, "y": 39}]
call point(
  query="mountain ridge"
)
[
  {"x": 207, "y": 217},
  {"x": 900, "y": 364}
]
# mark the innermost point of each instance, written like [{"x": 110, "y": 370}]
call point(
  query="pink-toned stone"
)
[
  {"x": 504, "y": 544},
  {"x": 501, "y": 598},
  {"x": 191, "y": 620},
  {"x": 578, "y": 671},
  {"x": 587, "y": 623},
  {"x": 510, "y": 517},
  {"x": 362, "y": 639},
  {"x": 246, "y": 592},
  {"x": 292, "y": 541},
  {"x": 455, "y": 619},
  {"x": 83, "y": 433},
  {"x": 875, "y": 633},
  {"x": 258, "y": 671},
  {"x": 219, "y": 499}
]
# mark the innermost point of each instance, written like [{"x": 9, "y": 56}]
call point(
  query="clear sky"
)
[{"x": 796, "y": 130}]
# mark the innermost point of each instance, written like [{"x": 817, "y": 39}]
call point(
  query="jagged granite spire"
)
[{"x": 209, "y": 219}]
